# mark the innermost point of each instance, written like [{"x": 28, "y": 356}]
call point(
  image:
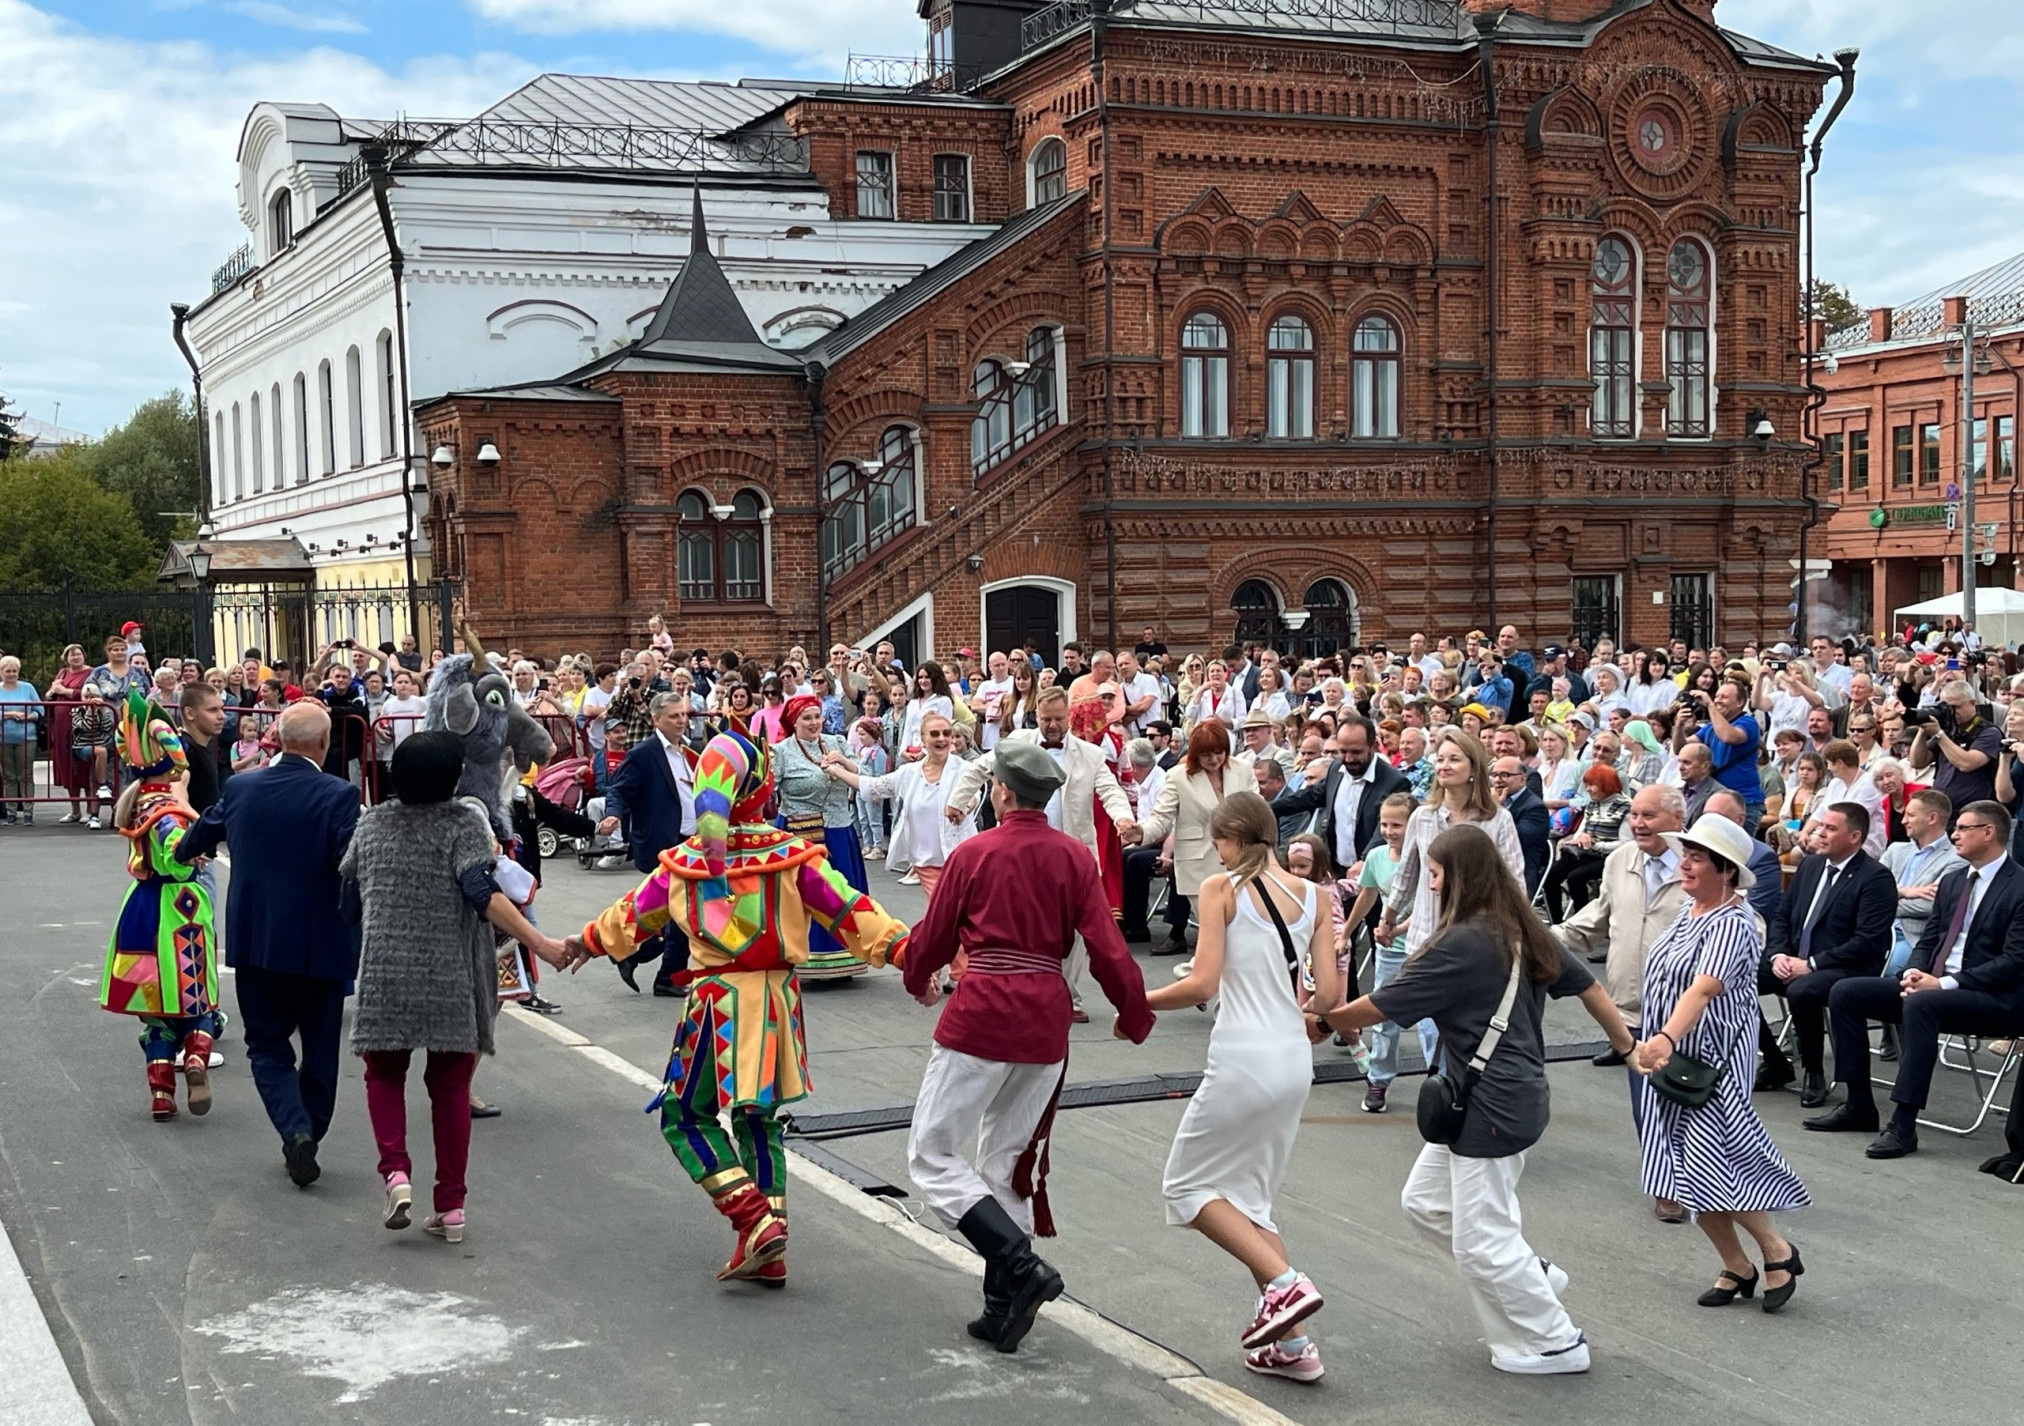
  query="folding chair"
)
[{"x": 1969, "y": 1047}]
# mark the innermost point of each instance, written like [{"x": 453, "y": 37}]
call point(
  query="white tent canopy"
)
[{"x": 1999, "y": 614}]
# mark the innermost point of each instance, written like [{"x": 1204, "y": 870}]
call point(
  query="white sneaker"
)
[
  {"x": 611, "y": 863},
  {"x": 91, "y": 823},
  {"x": 217, "y": 1058},
  {"x": 104, "y": 793},
  {"x": 910, "y": 880},
  {"x": 1568, "y": 1361},
  {"x": 67, "y": 818}
]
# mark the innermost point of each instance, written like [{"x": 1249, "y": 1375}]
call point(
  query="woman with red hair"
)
[
  {"x": 1577, "y": 870},
  {"x": 1185, "y": 806},
  {"x": 820, "y": 810}
]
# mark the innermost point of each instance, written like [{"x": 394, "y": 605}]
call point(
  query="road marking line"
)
[
  {"x": 1092, "y": 1327},
  {"x": 36, "y": 1388}
]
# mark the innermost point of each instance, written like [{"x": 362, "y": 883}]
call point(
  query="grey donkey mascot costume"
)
[{"x": 471, "y": 697}]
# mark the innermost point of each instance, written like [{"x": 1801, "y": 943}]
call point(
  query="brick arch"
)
[
  {"x": 1379, "y": 303},
  {"x": 727, "y": 460},
  {"x": 1020, "y": 307},
  {"x": 1309, "y": 308},
  {"x": 1189, "y": 237},
  {"x": 1233, "y": 238},
  {"x": 1363, "y": 586},
  {"x": 1278, "y": 238},
  {"x": 1320, "y": 242},
  {"x": 1409, "y": 243},
  {"x": 535, "y": 495},
  {"x": 1696, "y": 219},
  {"x": 1636, "y": 220},
  {"x": 1205, "y": 298},
  {"x": 1258, "y": 564},
  {"x": 589, "y": 495},
  {"x": 874, "y": 410}
]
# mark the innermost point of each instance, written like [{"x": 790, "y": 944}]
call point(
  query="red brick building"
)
[
  {"x": 1891, "y": 428},
  {"x": 1228, "y": 366}
]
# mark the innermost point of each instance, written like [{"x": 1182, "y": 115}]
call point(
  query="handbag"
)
[
  {"x": 1689, "y": 1081},
  {"x": 1444, "y": 1098}
]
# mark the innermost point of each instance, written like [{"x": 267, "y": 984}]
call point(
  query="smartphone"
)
[{"x": 1953, "y": 665}]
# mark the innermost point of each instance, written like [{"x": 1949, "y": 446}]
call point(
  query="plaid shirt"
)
[{"x": 628, "y": 710}]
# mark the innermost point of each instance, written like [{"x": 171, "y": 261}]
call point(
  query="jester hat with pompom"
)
[
  {"x": 148, "y": 742},
  {"x": 734, "y": 785}
]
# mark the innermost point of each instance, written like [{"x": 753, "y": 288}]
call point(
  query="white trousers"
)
[
  {"x": 1075, "y": 969},
  {"x": 988, "y": 1106},
  {"x": 1469, "y": 1207}
]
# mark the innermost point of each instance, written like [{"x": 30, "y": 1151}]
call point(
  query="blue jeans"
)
[
  {"x": 1900, "y": 953},
  {"x": 1383, "y": 1037}
]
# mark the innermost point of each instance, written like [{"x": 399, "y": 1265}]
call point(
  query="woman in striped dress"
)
[{"x": 1700, "y": 987}]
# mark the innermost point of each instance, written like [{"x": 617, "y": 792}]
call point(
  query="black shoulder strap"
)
[{"x": 1272, "y": 908}]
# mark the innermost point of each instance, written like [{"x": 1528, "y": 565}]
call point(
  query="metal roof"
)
[
  {"x": 1995, "y": 299},
  {"x": 597, "y": 100}
]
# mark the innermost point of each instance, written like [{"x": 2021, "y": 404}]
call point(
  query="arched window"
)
[
  {"x": 1256, "y": 605},
  {"x": 1016, "y": 403},
  {"x": 1205, "y": 376},
  {"x": 301, "y": 428},
  {"x": 1331, "y": 620},
  {"x": 383, "y": 353},
  {"x": 1612, "y": 339},
  {"x": 1689, "y": 372},
  {"x": 354, "y": 408},
  {"x": 1374, "y": 379},
  {"x": 281, "y": 222},
  {"x": 720, "y": 560},
  {"x": 327, "y": 413},
  {"x": 259, "y": 430},
  {"x": 218, "y": 459},
  {"x": 1289, "y": 379},
  {"x": 280, "y": 438},
  {"x": 238, "y": 454},
  {"x": 1047, "y": 172},
  {"x": 870, "y": 503}
]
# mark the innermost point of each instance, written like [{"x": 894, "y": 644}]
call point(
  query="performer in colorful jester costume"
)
[
  {"x": 747, "y": 894},
  {"x": 162, "y": 965}
]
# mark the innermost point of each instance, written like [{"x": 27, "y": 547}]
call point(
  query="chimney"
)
[
  {"x": 1879, "y": 324},
  {"x": 1954, "y": 311},
  {"x": 1816, "y": 335},
  {"x": 1572, "y": 12}
]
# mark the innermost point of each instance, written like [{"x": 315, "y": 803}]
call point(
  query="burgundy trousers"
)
[{"x": 448, "y": 1078}]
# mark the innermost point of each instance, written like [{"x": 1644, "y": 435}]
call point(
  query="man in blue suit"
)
[
  {"x": 288, "y": 825},
  {"x": 654, "y": 794}
]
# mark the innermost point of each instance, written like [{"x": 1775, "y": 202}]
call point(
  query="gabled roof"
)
[
  {"x": 951, "y": 269},
  {"x": 1995, "y": 300}
]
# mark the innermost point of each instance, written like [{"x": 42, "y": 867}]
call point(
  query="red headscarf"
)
[{"x": 797, "y": 705}]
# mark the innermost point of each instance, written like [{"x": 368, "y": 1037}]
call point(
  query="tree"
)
[
  {"x": 1836, "y": 306},
  {"x": 10, "y": 432},
  {"x": 63, "y": 527},
  {"x": 153, "y": 461}
]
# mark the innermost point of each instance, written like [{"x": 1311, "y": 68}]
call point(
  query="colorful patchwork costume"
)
[
  {"x": 747, "y": 895},
  {"x": 162, "y": 964}
]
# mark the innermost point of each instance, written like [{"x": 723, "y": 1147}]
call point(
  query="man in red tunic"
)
[{"x": 1014, "y": 898}]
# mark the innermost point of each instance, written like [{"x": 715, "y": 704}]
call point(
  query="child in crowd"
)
[
  {"x": 247, "y": 753},
  {"x": 867, "y": 747},
  {"x": 659, "y": 638},
  {"x": 1307, "y": 858},
  {"x": 1379, "y": 867}
]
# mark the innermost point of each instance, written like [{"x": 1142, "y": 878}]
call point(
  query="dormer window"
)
[{"x": 281, "y": 222}]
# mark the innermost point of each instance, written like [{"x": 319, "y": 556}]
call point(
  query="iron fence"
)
[
  {"x": 232, "y": 269},
  {"x": 913, "y": 73}
]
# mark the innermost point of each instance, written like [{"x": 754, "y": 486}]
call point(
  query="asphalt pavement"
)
[{"x": 185, "y": 1280}]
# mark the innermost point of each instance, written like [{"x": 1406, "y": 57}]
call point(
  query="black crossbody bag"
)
[{"x": 1444, "y": 1098}]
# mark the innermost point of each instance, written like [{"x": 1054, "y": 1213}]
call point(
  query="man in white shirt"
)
[
  {"x": 1966, "y": 978},
  {"x": 1141, "y": 695},
  {"x": 1422, "y": 658},
  {"x": 989, "y": 699}
]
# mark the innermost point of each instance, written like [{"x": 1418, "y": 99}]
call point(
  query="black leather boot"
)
[
  {"x": 987, "y": 1327},
  {"x": 1025, "y": 1278}
]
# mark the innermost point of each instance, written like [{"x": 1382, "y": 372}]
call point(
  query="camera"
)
[
  {"x": 632, "y": 683},
  {"x": 1940, "y": 716},
  {"x": 1777, "y": 665}
]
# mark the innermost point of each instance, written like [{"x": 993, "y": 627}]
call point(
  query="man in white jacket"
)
[{"x": 1072, "y": 809}]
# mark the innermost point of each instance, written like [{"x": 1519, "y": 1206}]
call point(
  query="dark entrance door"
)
[{"x": 1025, "y": 611}]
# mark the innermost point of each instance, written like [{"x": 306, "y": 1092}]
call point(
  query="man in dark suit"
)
[
  {"x": 654, "y": 794},
  {"x": 1348, "y": 798},
  {"x": 1835, "y": 923},
  {"x": 1528, "y": 814},
  {"x": 293, "y": 949},
  {"x": 1966, "y": 978}
]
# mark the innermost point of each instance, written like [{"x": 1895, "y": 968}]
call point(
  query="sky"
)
[{"x": 119, "y": 120}]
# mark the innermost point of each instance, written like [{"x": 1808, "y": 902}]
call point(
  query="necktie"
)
[
  {"x": 1054, "y": 744},
  {"x": 1945, "y": 952},
  {"x": 1813, "y": 915},
  {"x": 1655, "y": 878}
]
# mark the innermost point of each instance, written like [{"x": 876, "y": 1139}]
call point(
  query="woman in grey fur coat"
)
[{"x": 428, "y": 969}]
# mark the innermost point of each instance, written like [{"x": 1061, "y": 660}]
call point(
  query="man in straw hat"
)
[{"x": 1001, "y": 1047}]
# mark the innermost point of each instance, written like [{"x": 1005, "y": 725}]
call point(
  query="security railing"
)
[{"x": 232, "y": 269}]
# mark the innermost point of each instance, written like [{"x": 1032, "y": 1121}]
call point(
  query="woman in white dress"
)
[
  {"x": 922, "y": 836},
  {"x": 1236, "y": 1139},
  {"x": 930, "y": 695}
]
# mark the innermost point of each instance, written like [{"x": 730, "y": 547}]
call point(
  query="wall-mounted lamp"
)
[
  {"x": 1758, "y": 424},
  {"x": 871, "y": 467},
  {"x": 488, "y": 454},
  {"x": 444, "y": 457},
  {"x": 974, "y": 563},
  {"x": 1018, "y": 368}
]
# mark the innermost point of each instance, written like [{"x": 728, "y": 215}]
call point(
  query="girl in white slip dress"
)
[{"x": 1236, "y": 1139}]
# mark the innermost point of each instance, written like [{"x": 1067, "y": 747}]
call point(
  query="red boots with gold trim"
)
[
  {"x": 197, "y": 1071},
  {"x": 162, "y": 1083},
  {"x": 762, "y": 1236}
]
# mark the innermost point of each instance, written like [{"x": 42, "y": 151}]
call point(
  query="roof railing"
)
[
  {"x": 914, "y": 74},
  {"x": 232, "y": 269}
]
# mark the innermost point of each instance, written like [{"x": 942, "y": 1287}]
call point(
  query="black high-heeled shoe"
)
[
  {"x": 1775, "y": 1298},
  {"x": 1719, "y": 1296}
]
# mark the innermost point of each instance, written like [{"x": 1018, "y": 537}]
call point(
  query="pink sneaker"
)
[
  {"x": 1280, "y": 1310},
  {"x": 1273, "y": 1360},
  {"x": 447, "y": 1226},
  {"x": 400, "y": 1201}
]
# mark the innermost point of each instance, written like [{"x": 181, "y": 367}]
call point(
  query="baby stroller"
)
[{"x": 568, "y": 783}]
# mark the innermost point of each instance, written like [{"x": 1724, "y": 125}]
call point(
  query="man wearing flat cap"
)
[{"x": 1016, "y": 899}]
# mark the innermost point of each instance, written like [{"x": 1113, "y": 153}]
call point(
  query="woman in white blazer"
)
[
  {"x": 1188, "y": 798},
  {"x": 922, "y": 837}
]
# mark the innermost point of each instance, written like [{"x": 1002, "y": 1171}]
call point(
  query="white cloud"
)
[
  {"x": 267, "y": 13},
  {"x": 788, "y": 26},
  {"x": 120, "y": 199}
]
